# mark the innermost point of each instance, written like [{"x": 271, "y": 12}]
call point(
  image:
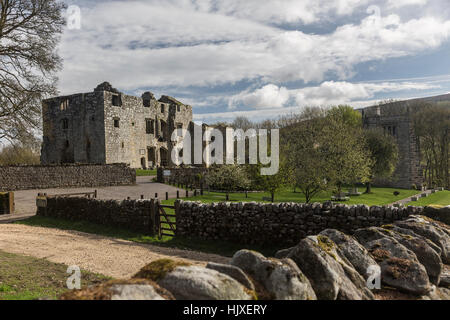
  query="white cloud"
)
[
  {"x": 402, "y": 3},
  {"x": 269, "y": 96},
  {"x": 182, "y": 43},
  {"x": 326, "y": 94},
  {"x": 335, "y": 93}
]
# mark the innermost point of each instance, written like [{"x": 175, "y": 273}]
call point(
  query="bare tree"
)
[{"x": 29, "y": 33}]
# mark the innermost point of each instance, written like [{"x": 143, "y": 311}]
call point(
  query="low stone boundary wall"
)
[
  {"x": 279, "y": 224},
  {"x": 13, "y": 178},
  {"x": 134, "y": 215},
  {"x": 184, "y": 176},
  {"x": 438, "y": 214}
]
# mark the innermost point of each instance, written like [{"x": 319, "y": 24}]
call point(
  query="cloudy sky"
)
[{"x": 260, "y": 58}]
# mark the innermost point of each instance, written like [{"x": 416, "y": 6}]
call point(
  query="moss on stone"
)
[
  {"x": 379, "y": 254},
  {"x": 251, "y": 293},
  {"x": 326, "y": 245},
  {"x": 104, "y": 291},
  {"x": 156, "y": 270},
  {"x": 397, "y": 268}
]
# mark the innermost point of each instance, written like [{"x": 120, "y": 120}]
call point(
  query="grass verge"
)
[
  {"x": 378, "y": 197},
  {"x": 28, "y": 278},
  {"x": 145, "y": 173},
  {"x": 441, "y": 198}
]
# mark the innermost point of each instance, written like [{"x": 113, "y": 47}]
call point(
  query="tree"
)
[
  {"x": 29, "y": 33},
  {"x": 242, "y": 123},
  {"x": 228, "y": 178},
  {"x": 268, "y": 183},
  {"x": 344, "y": 147},
  {"x": 347, "y": 115},
  {"x": 432, "y": 127},
  {"x": 13, "y": 155},
  {"x": 384, "y": 154},
  {"x": 300, "y": 146},
  {"x": 324, "y": 150}
]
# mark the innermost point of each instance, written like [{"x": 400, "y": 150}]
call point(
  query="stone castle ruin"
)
[
  {"x": 107, "y": 126},
  {"x": 395, "y": 118}
]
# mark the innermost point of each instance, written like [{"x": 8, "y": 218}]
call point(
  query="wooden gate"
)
[{"x": 166, "y": 220}]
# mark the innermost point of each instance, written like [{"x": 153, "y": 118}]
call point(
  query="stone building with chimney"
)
[{"x": 106, "y": 126}]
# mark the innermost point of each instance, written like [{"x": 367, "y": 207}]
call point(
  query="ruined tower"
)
[
  {"x": 106, "y": 126},
  {"x": 395, "y": 118}
]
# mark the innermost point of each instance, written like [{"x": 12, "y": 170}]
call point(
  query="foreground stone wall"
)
[
  {"x": 279, "y": 223},
  {"x": 65, "y": 176},
  {"x": 134, "y": 215}
]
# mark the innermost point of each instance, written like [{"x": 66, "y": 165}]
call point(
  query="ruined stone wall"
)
[
  {"x": 107, "y": 126},
  {"x": 14, "y": 178},
  {"x": 73, "y": 129},
  {"x": 396, "y": 119},
  {"x": 133, "y": 215},
  {"x": 130, "y": 143},
  {"x": 280, "y": 223}
]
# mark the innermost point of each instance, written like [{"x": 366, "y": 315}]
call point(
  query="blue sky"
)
[{"x": 257, "y": 58}]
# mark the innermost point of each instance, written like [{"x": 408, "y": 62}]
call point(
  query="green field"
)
[
  {"x": 441, "y": 198},
  {"x": 27, "y": 278},
  {"x": 379, "y": 196},
  {"x": 145, "y": 173}
]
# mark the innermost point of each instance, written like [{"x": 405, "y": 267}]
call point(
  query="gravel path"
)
[
  {"x": 26, "y": 200},
  {"x": 112, "y": 257}
]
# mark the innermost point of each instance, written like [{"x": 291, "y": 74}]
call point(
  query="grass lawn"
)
[
  {"x": 145, "y": 173},
  {"x": 27, "y": 278},
  {"x": 379, "y": 196},
  {"x": 441, "y": 198}
]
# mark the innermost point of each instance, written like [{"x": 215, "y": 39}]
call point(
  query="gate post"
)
[
  {"x": 157, "y": 217},
  {"x": 11, "y": 204},
  {"x": 152, "y": 217},
  {"x": 177, "y": 214}
]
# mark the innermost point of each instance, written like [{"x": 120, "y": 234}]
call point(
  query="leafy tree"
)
[
  {"x": 324, "y": 150},
  {"x": 432, "y": 127},
  {"x": 29, "y": 34},
  {"x": 346, "y": 115},
  {"x": 384, "y": 154},
  {"x": 268, "y": 183},
  {"x": 344, "y": 150},
  {"x": 228, "y": 178},
  {"x": 305, "y": 164}
]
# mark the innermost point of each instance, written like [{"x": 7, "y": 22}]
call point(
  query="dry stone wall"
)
[
  {"x": 280, "y": 223},
  {"x": 194, "y": 176},
  {"x": 134, "y": 215},
  {"x": 15, "y": 178}
]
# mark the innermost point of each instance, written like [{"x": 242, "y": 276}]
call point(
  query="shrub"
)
[{"x": 228, "y": 178}]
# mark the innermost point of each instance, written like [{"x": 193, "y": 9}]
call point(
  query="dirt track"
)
[{"x": 112, "y": 257}]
